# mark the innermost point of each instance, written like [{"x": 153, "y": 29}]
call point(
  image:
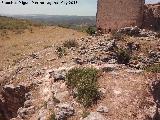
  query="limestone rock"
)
[
  {"x": 109, "y": 67},
  {"x": 42, "y": 115},
  {"x": 95, "y": 116},
  {"x": 102, "y": 109},
  {"x": 133, "y": 31},
  {"x": 27, "y": 103},
  {"x": 58, "y": 75},
  {"x": 111, "y": 45},
  {"x": 102, "y": 90},
  {"x": 64, "y": 110},
  {"x": 24, "y": 112},
  {"x": 62, "y": 96}
]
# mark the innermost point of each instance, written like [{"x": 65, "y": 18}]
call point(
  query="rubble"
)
[
  {"x": 135, "y": 31},
  {"x": 64, "y": 110}
]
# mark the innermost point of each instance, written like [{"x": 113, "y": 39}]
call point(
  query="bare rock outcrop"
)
[
  {"x": 95, "y": 116},
  {"x": 64, "y": 110}
]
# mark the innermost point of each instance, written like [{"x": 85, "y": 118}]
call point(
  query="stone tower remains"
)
[{"x": 115, "y": 14}]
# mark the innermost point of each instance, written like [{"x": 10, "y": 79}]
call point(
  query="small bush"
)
[
  {"x": 87, "y": 92},
  {"x": 123, "y": 56},
  {"x": 91, "y": 30},
  {"x": 117, "y": 36},
  {"x": 85, "y": 81},
  {"x": 60, "y": 51},
  {"x": 52, "y": 117},
  {"x": 85, "y": 114},
  {"x": 70, "y": 43},
  {"x": 76, "y": 75},
  {"x": 155, "y": 68}
]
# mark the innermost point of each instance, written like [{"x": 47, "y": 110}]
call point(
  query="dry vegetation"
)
[
  {"x": 20, "y": 37},
  {"x": 9, "y": 23}
]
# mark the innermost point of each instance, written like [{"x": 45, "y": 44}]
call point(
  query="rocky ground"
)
[{"x": 35, "y": 88}]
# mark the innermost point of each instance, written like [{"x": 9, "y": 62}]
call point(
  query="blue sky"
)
[{"x": 83, "y": 8}]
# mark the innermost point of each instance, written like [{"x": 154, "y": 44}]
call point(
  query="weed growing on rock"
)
[
  {"x": 52, "y": 116},
  {"x": 117, "y": 36},
  {"x": 70, "y": 43},
  {"x": 85, "y": 81},
  {"x": 85, "y": 114},
  {"x": 123, "y": 56},
  {"x": 155, "y": 68},
  {"x": 60, "y": 51}
]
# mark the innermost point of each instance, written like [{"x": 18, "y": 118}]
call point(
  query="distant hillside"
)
[
  {"x": 11, "y": 23},
  {"x": 60, "y": 20}
]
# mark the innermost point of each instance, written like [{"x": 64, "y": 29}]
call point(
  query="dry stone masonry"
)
[
  {"x": 152, "y": 16},
  {"x": 116, "y": 14}
]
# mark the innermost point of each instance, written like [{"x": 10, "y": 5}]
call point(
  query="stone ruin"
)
[
  {"x": 116, "y": 14},
  {"x": 152, "y": 16},
  {"x": 13, "y": 99}
]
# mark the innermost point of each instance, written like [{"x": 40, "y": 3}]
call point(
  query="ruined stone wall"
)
[
  {"x": 152, "y": 16},
  {"x": 115, "y": 14},
  {"x": 14, "y": 98}
]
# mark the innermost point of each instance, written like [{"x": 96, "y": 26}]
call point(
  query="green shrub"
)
[
  {"x": 76, "y": 75},
  {"x": 123, "y": 56},
  {"x": 60, "y": 51},
  {"x": 91, "y": 30},
  {"x": 85, "y": 81},
  {"x": 70, "y": 43},
  {"x": 87, "y": 92},
  {"x": 155, "y": 68}
]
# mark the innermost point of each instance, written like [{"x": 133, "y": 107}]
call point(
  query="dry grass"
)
[{"x": 14, "y": 46}]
